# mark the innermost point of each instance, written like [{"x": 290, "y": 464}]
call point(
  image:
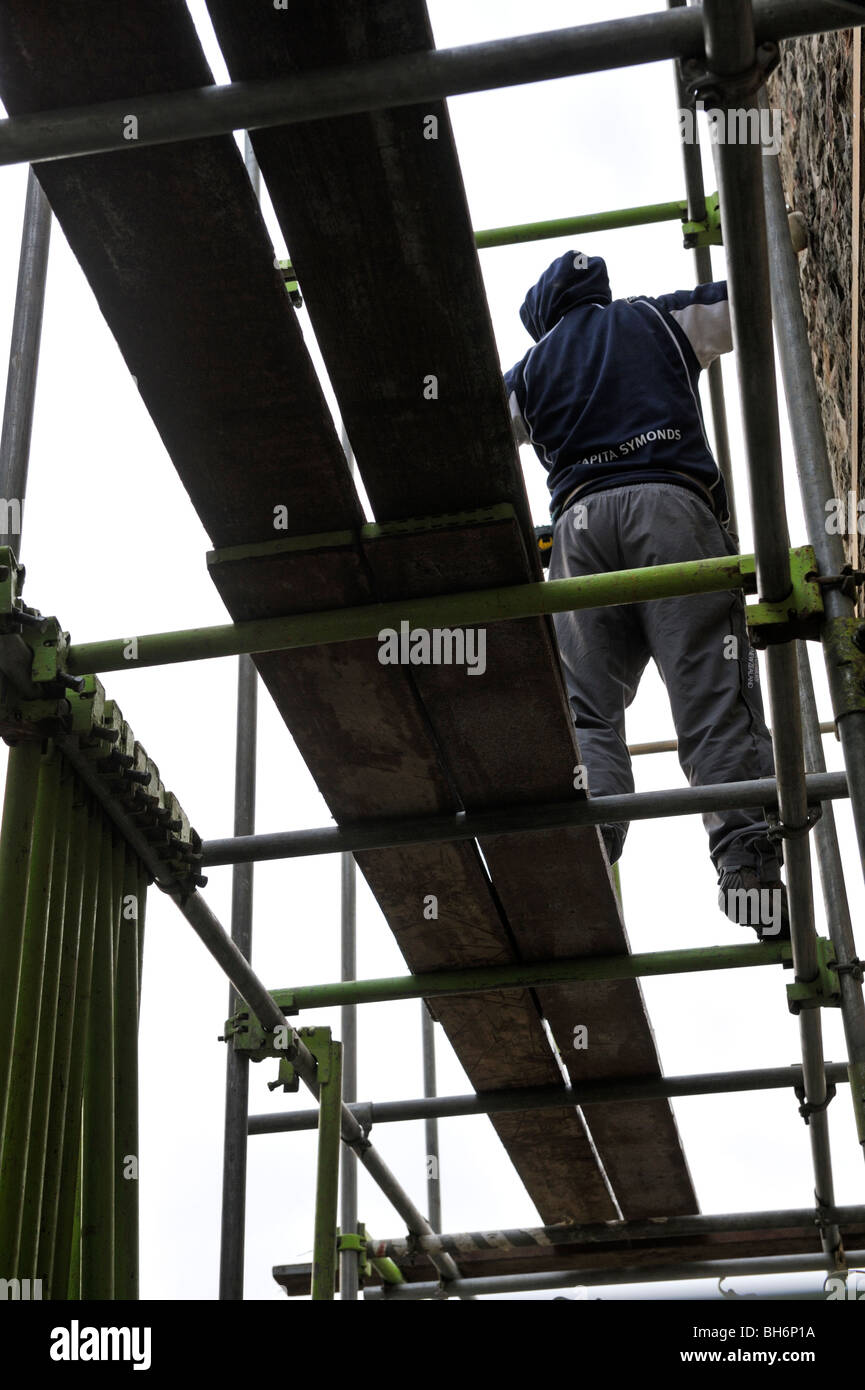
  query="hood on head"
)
[{"x": 560, "y": 288}]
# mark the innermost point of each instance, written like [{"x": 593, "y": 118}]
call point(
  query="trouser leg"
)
[
  {"x": 603, "y": 650},
  {"x": 700, "y": 645}
]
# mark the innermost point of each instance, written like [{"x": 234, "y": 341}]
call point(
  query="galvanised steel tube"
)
[
  {"x": 327, "y": 1180},
  {"x": 97, "y": 1144},
  {"x": 73, "y": 1292},
  {"x": 16, "y": 1124},
  {"x": 696, "y": 196},
  {"x": 233, "y": 1228},
  {"x": 670, "y": 745},
  {"x": 72, "y": 947},
  {"x": 126, "y": 1152},
  {"x": 630, "y": 1274},
  {"x": 793, "y": 810},
  {"x": 730, "y": 51},
  {"x": 835, "y": 902},
  {"x": 730, "y": 56},
  {"x": 474, "y": 979},
  {"x": 349, "y": 1282},
  {"x": 440, "y": 610},
  {"x": 386, "y": 834},
  {"x": 551, "y": 1097},
  {"x": 19, "y": 807},
  {"x": 236, "y": 1063},
  {"x": 399, "y": 81},
  {"x": 24, "y": 360},
  {"x": 431, "y": 1129},
  {"x": 65, "y": 1251},
  {"x": 606, "y": 1232},
  {"x": 349, "y": 1260},
  {"x": 815, "y": 477},
  {"x": 44, "y": 1035}
]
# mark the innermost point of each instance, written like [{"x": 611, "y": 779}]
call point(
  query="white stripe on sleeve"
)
[
  {"x": 707, "y": 328},
  {"x": 518, "y": 424}
]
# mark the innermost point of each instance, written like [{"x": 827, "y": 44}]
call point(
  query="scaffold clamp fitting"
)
[
  {"x": 363, "y": 1113},
  {"x": 705, "y": 233},
  {"x": 824, "y": 991},
  {"x": 356, "y": 1242},
  {"x": 853, "y": 968},
  {"x": 800, "y": 614},
  {"x": 287, "y": 1078},
  {"x": 715, "y": 89},
  {"x": 319, "y": 1041},
  {"x": 806, "y": 1111},
  {"x": 779, "y": 831}
]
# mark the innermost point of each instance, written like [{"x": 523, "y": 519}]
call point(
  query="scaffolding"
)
[{"x": 87, "y": 822}]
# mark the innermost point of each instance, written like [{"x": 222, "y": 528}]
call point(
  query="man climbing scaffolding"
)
[{"x": 608, "y": 397}]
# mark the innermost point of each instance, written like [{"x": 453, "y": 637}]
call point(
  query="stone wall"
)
[{"x": 813, "y": 89}]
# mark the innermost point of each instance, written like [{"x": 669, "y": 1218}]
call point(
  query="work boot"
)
[
  {"x": 752, "y": 901},
  {"x": 614, "y": 839}
]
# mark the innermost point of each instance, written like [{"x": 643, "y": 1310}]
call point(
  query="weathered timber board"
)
[{"x": 174, "y": 247}]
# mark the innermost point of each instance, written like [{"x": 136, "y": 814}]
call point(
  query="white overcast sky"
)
[{"x": 113, "y": 546}]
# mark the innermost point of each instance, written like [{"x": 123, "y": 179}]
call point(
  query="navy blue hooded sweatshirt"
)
[{"x": 608, "y": 394}]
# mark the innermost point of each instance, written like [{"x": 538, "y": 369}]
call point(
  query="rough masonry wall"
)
[{"x": 813, "y": 89}]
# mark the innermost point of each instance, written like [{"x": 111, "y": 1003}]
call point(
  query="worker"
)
[{"x": 608, "y": 397}]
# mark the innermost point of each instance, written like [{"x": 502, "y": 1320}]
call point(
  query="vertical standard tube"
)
[
  {"x": 431, "y": 1126},
  {"x": 45, "y": 1037},
  {"x": 23, "y": 361},
  {"x": 729, "y": 31},
  {"x": 731, "y": 53},
  {"x": 237, "y": 1064},
  {"x": 348, "y": 1260},
  {"x": 97, "y": 1167},
  {"x": 815, "y": 473},
  {"x": 349, "y": 1281},
  {"x": 19, "y": 1106},
  {"x": 835, "y": 900},
  {"x": 66, "y": 1251},
  {"x": 126, "y": 1085},
  {"x": 16, "y": 836},
  {"x": 695, "y": 193},
  {"x": 816, "y": 486},
  {"x": 327, "y": 1178},
  {"x": 66, "y": 1003}
]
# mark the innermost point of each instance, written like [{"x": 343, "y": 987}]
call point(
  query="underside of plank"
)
[
  {"x": 392, "y": 204},
  {"x": 175, "y": 249}
]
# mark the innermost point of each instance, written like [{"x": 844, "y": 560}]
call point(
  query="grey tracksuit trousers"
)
[{"x": 712, "y": 683}]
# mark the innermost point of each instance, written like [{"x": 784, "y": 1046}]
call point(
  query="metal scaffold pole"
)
[
  {"x": 836, "y": 904},
  {"x": 402, "y": 80},
  {"x": 731, "y": 60},
  {"x": 841, "y": 633},
  {"x": 431, "y": 1127},
  {"x": 236, "y": 1064},
  {"x": 696, "y": 198},
  {"x": 348, "y": 1260},
  {"x": 471, "y": 825},
  {"x": 24, "y": 361},
  {"x": 552, "y": 1097}
]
